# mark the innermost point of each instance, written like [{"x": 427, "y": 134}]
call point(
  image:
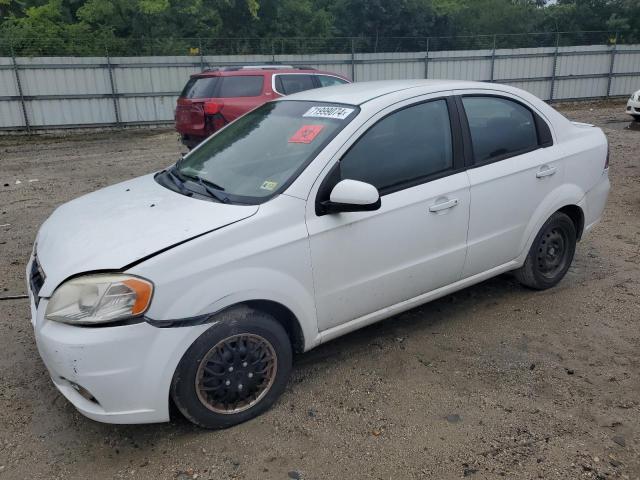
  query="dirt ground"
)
[{"x": 494, "y": 381}]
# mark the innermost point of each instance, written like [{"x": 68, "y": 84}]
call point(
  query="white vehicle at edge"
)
[
  {"x": 633, "y": 105},
  {"x": 305, "y": 219}
]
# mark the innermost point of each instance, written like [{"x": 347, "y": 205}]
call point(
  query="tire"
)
[
  {"x": 234, "y": 371},
  {"x": 550, "y": 255}
]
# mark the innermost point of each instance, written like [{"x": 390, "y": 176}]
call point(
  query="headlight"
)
[{"x": 99, "y": 298}]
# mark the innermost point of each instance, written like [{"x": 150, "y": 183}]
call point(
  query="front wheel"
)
[
  {"x": 234, "y": 371},
  {"x": 550, "y": 255}
]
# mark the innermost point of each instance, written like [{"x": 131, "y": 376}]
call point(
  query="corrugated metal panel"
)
[
  {"x": 450, "y": 65},
  {"x": 625, "y": 85},
  {"x": 55, "y": 78},
  {"x": 147, "y": 109},
  {"x": 166, "y": 75},
  {"x": 11, "y": 114},
  {"x": 581, "y": 88},
  {"x": 70, "y": 111},
  {"x": 8, "y": 86},
  {"x": 521, "y": 66}
]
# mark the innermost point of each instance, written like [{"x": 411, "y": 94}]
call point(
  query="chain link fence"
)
[{"x": 91, "y": 46}]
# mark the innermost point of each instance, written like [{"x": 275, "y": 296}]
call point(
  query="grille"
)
[{"x": 36, "y": 279}]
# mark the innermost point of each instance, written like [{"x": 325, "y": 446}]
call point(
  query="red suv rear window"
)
[{"x": 223, "y": 87}]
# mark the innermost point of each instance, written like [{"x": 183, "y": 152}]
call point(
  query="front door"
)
[{"x": 416, "y": 242}]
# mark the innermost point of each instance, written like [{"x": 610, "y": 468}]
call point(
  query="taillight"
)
[
  {"x": 211, "y": 108},
  {"x": 606, "y": 162}
]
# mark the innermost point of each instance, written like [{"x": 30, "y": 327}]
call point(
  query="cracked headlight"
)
[{"x": 99, "y": 298}]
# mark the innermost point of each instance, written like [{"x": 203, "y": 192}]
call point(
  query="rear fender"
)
[{"x": 566, "y": 194}]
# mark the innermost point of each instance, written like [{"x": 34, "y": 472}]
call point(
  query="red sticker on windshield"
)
[{"x": 306, "y": 134}]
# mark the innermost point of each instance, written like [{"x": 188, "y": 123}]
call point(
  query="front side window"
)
[
  {"x": 293, "y": 83},
  {"x": 406, "y": 146},
  {"x": 329, "y": 81},
  {"x": 257, "y": 155},
  {"x": 499, "y": 127}
]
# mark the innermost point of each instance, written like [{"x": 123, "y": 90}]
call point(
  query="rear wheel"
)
[
  {"x": 550, "y": 255},
  {"x": 235, "y": 371}
]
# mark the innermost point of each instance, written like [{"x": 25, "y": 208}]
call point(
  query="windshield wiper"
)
[
  {"x": 178, "y": 183},
  {"x": 212, "y": 189}
]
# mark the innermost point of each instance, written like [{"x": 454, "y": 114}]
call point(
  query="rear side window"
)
[
  {"x": 200, "y": 87},
  {"x": 404, "y": 147},
  {"x": 223, "y": 87},
  {"x": 328, "y": 81},
  {"x": 288, "y": 84},
  {"x": 499, "y": 127},
  {"x": 241, "y": 86}
]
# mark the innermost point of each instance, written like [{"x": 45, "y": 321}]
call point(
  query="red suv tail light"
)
[{"x": 211, "y": 108}]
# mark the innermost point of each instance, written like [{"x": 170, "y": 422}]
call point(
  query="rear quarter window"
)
[
  {"x": 329, "y": 81},
  {"x": 200, "y": 87},
  {"x": 223, "y": 87},
  {"x": 286, "y": 84}
]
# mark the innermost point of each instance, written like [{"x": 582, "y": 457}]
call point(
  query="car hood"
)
[{"x": 114, "y": 227}]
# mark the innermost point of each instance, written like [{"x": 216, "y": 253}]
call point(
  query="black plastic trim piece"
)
[{"x": 182, "y": 322}]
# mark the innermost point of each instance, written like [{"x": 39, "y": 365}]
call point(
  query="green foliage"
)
[{"x": 83, "y": 27}]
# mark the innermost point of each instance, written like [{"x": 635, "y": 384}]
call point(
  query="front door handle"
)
[
  {"x": 437, "y": 207},
  {"x": 546, "y": 171}
]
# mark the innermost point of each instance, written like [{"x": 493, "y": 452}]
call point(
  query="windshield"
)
[{"x": 259, "y": 154}]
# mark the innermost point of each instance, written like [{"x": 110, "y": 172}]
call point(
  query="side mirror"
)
[{"x": 352, "y": 196}]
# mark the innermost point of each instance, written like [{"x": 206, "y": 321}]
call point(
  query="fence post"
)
[
  {"x": 555, "y": 65},
  {"x": 201, "y": 54},
  {"x": 112, "y": 83},
  {"x": 426, "y": 61},
  {"x": 353, "y": 60},
  {"x": 493, "y": 57},
  {"x": 25, "y": 117},
  {"x": 612, "y": 64}
]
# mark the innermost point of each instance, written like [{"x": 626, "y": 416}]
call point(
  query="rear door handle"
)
[
  {"x": 546, "y": 171},
  {"x": 443, "y": 205}
]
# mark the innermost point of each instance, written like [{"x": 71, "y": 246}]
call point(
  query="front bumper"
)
[
  {"x": 126, "y": 369},
  {"x": 633, "y": 107}
]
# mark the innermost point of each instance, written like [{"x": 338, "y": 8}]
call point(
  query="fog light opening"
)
[{"x": 83, "y": 392}]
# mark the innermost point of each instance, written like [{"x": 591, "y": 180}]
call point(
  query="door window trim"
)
[
  {"x": 543, "y": 131},
  {"x": 458, "y": 156}
]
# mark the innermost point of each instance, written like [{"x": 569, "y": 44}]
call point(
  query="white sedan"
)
[
  {"x": 307, "y": 218},
  {"x": 633, "y": 105}
]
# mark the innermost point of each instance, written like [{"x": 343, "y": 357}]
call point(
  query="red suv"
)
[{"x": 213, "y": 98}]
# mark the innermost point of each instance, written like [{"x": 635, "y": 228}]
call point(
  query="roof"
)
[{"x": 361, "y": 92}]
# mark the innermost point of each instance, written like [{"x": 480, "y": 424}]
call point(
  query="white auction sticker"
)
[{"x": 339, "y": 113}]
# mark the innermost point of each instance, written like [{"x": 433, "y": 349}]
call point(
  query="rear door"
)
[
  {"x": 513, "y": 168},
  {"x": 240, "y": 93}
]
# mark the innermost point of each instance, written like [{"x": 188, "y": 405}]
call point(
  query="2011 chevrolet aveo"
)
[{"x": 307, "y": 218}]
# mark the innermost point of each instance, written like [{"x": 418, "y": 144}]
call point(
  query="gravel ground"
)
[{"x": 493, "y": 381}]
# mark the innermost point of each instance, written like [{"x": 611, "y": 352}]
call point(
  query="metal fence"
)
[{"x": 51, "y": 92}]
